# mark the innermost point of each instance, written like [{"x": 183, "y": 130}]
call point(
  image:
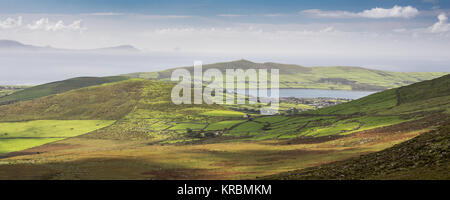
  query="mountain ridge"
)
[{"x": 297, "y": 76}]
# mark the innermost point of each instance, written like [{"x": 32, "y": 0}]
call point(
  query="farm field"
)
[
  {"x": 16, "y": 136},
  {"x": 86, "y": 158},
  {"x": 131, "y": 130}
]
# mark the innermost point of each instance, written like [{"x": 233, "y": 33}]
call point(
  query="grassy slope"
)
[
  {"x": 385, "y": 108},
  {"x": 57, "y": 87},
  {"x": 152, "y": 118},
  {"x": 144, "y": 109},
  {"x": 36, "y": 122},
  {"x": 295, "y": 76},
  {"x": 109, "y": 102},
  {"x": 6, "y": 90},
  {"x": 155, "y": 116},
  {"x": 423, "y": 157},
  {"x": 400, "y": 100}
]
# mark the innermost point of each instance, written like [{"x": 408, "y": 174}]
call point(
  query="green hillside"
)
[
  {"x": 143, "y": 109},
  {"x": 105, "y": 102},
  {"x": 295, "y": 76},
  {"x": 57, "y": 87},
  {"x": 132, "y": 127},
  {"x": 140, "y": 108},
  {"x": 427, "y": 96}
]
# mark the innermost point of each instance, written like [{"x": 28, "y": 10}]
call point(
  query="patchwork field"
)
[
  {"x": 131, "y": 130},
  {"x": 84, "y": 158}
]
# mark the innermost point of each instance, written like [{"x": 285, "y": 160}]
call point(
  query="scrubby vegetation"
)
[{"x": 423, "y": 157}]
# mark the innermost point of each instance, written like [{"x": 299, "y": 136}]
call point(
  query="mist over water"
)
[{"x": 38, "y": 68}]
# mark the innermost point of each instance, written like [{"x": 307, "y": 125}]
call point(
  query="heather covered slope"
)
[
  {"x": 295, "y": 76},
  {"x": 109, "y": 101},
  {"x": 423, "y": 157}
]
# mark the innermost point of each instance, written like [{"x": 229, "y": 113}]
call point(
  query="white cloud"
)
[
  {"x": 41, "y": 24},
  {"x": 11, "y": 23},
  {"x": 45, "y": 24},
  {"x": 395, "y": 12},
  {"x": 374, "y": 13},
  {"x": 442, "y": 25}
]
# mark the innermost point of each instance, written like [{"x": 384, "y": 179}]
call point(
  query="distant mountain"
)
[
  {"x": 121, "y": 48},
  {"x": 296, "y": 76},
  {"x": 11, "y": 45}
]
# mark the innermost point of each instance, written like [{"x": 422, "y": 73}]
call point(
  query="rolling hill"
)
[
  {"x": 138, "y": 102},
  {"x": 143, "y": 109},
  {"x": 132, "y": 126},
  {"x": 56, "y": 87},
  {"x": 295, "y": 76}
]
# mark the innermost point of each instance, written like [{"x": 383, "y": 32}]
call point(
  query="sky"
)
[{"x": 394, "y": 35}]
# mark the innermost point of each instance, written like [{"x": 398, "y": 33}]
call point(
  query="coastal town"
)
[{"x": 319, "y": 102}]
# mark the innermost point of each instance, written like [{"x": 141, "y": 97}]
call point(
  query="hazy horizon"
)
[{"x": 401, "y": 36}]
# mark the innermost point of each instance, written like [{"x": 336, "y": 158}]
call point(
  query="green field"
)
[
  {"x": 130, "y": 129},
  {"x": 144, "y": 108},
  {"x": 223, "y": 113},
  {"x": 223, "y": 125},
  {"x": 16, "y": 136}
]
